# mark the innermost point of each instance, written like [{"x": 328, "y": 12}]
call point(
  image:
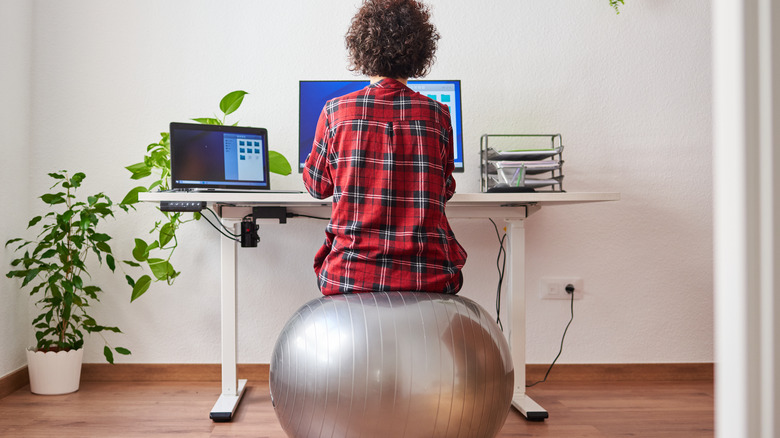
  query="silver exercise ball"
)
[{"x": 397, "y": 364}]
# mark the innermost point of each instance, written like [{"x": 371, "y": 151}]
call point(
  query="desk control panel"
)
[{"x": 182, "y": 205}]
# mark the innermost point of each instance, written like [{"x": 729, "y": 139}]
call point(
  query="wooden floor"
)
[{"x": 149, "y": 409}]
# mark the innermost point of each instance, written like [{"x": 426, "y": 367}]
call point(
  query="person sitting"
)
[{"x": 385, "y": 154}]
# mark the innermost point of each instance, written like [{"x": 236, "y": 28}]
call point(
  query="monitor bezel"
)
[{"x": 458, "y": 119}]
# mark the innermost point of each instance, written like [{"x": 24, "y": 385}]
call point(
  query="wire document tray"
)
[{"x": 521, "y": 162}]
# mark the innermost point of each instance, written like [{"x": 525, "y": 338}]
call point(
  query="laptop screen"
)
[
  {"x": 216, "y": 157},
  {"x": 314, "y": 94}
]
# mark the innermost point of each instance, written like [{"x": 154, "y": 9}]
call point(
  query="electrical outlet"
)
[{"x": 555, "y": 288}]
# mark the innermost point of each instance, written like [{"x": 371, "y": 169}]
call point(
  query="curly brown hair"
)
[{"x": 392, "y": 38}]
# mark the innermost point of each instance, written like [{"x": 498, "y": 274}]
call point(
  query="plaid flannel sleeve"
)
[
  {"x": 316, "y": 170},
  {"x": 450, "y": 181}
]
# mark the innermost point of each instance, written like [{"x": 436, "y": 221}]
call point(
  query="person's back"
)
[{"x": 385, "y": 153}]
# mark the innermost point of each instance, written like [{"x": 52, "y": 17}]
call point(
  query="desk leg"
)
[
  {"x": 516, "y": 286},
  {"x": 232, "y": 388}
]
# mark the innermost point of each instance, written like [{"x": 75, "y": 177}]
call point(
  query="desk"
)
[{"x": 513, "y": 208}]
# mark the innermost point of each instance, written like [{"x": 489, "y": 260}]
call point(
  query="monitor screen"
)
[
  {"x": 314, "y": 94},
  {"x": 216, "y": 157}
]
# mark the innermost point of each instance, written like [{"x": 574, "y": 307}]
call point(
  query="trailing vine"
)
[
  {"x": 614, "y": 4},
  {"x": 153, "y": 256}
]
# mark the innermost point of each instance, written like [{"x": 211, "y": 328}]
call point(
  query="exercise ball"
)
[{"x": 391, "y": 364}]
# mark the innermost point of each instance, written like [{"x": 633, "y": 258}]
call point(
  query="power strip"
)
[{"x": 182, "y": 205}]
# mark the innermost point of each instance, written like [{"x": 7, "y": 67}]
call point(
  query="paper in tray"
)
[
  {"x": 530, "y": 166},
  {"x": 529, "y": 184},
  {"x": 536, "y": 183},
  {"x": 527, "y": 155}
]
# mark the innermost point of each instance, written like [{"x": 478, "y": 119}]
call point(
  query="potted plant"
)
[{"x": 54, "y": 267}]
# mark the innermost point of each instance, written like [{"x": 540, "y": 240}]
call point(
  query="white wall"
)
[
  {"x": 15, "y": 88},
  {"x": 629, "y": 93}
]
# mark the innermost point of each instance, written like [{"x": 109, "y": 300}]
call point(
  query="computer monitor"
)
[{"x": 314, "y": 94}]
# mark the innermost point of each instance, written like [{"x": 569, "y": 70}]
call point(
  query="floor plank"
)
[{"x": 148, "y": 409}]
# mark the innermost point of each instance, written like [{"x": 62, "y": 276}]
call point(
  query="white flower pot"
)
[{"x": 54, "y": 373}]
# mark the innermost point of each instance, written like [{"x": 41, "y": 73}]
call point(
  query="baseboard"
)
[
  {"x": 653, "y": 372},
  {"x": 12, "y": 382},
  {"x": 259, "y": 372},
  {"x": 161, "y": 372}
]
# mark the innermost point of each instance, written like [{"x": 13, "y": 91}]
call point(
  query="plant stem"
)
[{"x": 69, "y": 272}]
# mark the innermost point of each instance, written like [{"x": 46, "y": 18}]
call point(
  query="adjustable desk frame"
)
[{"x": 512, "y": 207}]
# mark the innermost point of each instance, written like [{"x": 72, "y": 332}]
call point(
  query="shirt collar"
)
[{"x": 388, "y": 83}]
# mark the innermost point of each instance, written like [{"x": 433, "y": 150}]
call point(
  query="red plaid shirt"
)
[{"x": 385, "y": 154}]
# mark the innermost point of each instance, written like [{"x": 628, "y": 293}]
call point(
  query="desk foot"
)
[
  {"x": 529, "y": 408},
  {"x": 226, "y": 405}
]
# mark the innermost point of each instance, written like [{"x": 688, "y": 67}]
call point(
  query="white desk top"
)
[
  {"x": 305, "y": 200},
  {"x": 462, "y": 205}
]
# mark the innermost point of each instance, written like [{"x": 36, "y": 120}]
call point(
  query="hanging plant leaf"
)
[
  {"x": 132, "y": 196},
  {"x": 278, "y": 164},
  {"x": 232, "y": 101}
]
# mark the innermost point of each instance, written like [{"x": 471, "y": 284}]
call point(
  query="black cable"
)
[
  {"x": 228, "y": 230},
  {"x": 561, "y": 349},
  {"x": 230, "y": 236},
  {"x": 310, "y": 217},
  {"x": 501, "y": 266}
]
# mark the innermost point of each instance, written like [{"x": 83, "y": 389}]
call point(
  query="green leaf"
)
[
  {"x": 77, "y": 301},
  {"x": 76, "y": 179},
  {"x": 57, "y": 176},
  {"x": 141, "y": 175},
  {"x": 132, "y": 196},
  {"x": 66, "y": 216},
  {"x": 53, "y": 199},
  {"x": 30, "y": 276},
  {"x": 77, "y": 240},
  {"x": 138, "y": 167},
  {"x": 278, "y": 164},
  {"x": 100, "y": 237},
  {"x": 141, "y": 251},
  {"x": 208, "y": 121},
  {"x": 122, "y": 350},
  {"x": 131, "y": 263},
  {"x": 161, "y": 159},
  {"x": 92, "y": 291},
  {"x": 55, "y": 291},
  {"x": 166, "y": 234},
  {"x": 108, "y": 354},
  {"x": 161, "y": 269},
  {"x": 141, "y": 286},
  {"x": 232, "y": 101},
  {"x": 34, "y": 221},
  {"x": 49, "y": 253},
  {"x": 18, "y": 239},
  {"x": 110, "y": 262}
]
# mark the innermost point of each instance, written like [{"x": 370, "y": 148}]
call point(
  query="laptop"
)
[{"x": 219, "y": 158}]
